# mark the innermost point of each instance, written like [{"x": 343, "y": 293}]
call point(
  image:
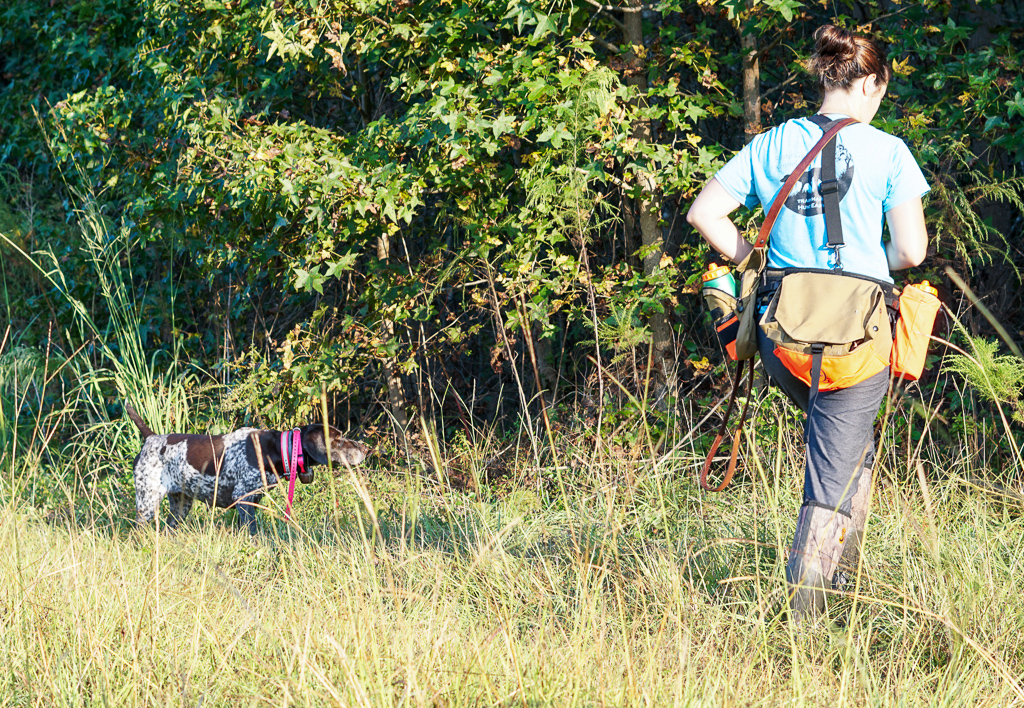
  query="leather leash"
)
[
  {"x": 731, "y": 470},
  {"x": 293, "y": 463}
]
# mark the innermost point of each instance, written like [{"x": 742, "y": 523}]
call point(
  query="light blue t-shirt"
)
[{"x": 876, "y": 172}]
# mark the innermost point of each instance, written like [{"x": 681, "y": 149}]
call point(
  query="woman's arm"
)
[
  {"x": 908, "y": 244},
  {"x": 709, "y": 214}
]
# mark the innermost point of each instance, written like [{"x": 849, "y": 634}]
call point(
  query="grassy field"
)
[
  {"x": 393, "y": 590},
  {"x": 585, "y": 576}
]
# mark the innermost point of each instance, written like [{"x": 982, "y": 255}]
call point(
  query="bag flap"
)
[
  {"x": 718, "y": 301},
  {"x": 820, "y": 307},
  {"x": 754, "y": 261},
  {"x": 750, "y": 271}
]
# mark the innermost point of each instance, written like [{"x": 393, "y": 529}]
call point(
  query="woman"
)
[{"x": 876, "y": 176}]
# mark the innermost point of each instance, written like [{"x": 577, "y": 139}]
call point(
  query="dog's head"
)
[{"x": 341, "y": 451}]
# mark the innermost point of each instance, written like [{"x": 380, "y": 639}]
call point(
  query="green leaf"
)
[
  {"x": 503, "y": 124},
  {"x": 544, "y": 26},
  {"x": 1015, "y": 107},
  {"x": 342, "y": 265},
  {"x": 993, "y": 122},
  {"x": 734, "y": 7}
]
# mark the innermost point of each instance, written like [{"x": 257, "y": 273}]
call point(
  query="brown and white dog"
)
[{"x": 224, "y": 470}]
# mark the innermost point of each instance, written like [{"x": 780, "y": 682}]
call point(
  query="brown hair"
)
[{"x": 840, "y": 57}]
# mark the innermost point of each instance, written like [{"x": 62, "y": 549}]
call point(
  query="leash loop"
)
[
  {"x": 293, "y": 462},
  {"x": 734, "y": 456}
]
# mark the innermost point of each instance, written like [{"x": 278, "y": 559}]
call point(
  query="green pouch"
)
[{"x": 749, "y": 270}]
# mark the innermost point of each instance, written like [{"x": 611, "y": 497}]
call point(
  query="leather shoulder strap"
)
[
  {"x": 761, "y": 242},
  {"x": 787, "y": 187}
]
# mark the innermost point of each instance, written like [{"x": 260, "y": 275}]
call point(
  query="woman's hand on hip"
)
[{"x": 709, "y": 214}]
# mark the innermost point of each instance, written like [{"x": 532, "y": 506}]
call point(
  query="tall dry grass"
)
[
  {"x": 650, "y": 594},
  {"x": 603, "y": 580}
]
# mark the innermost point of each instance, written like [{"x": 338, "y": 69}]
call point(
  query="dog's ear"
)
[{"x": 342, "y": 452}]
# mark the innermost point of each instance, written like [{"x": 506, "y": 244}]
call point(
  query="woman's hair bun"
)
[
  {"x": 832, "y": 41},
  {"x": 840, "y": 57}
]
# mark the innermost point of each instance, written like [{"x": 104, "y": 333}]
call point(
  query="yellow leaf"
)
[
  {"x": 902, "y": 68},
  {"x": 702, "y": 366},
  {"x": 337, "y": 60}
]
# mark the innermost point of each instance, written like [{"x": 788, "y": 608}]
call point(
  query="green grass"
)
[
  {"x": 653, "y": 594},
  {"x": 594, "y": 577}
]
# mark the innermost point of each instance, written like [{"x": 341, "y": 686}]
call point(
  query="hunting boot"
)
[
  {"x": 845, "y": 576},
  {"x": 817, "y": 546}
]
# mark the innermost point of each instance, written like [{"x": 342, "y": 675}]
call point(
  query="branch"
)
[
  {"x": 601, "y": 11},
  {"x": 780, "y": 86},
  {"x": 883, "y": 17},
  {"x": 610, "y": 177},
  {"x": 609, "y": 8},
  {"x": 757, "y": 54},
  {"x": 605, "y": 44}
]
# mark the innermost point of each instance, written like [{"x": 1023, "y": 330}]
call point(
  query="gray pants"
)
[{"x": 839, "y": 434}]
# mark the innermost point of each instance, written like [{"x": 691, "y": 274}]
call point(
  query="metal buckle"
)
[
  {"x": 828, "y": 186},
  {"x": 839, "y": 259}
]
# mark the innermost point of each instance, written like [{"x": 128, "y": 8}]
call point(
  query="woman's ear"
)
[{"x": 871, "y": 87}]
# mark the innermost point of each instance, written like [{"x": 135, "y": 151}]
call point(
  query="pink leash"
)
[{"x": 293, "y": 463}]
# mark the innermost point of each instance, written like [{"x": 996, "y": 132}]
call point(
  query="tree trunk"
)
[
  {"x": 396, "y": 391},
  {"x": 628, "y": 229},
  {"x": 751, "y": 86},
  {"x": 649, "y": 203},
  {"x": 548, "y": 374}
]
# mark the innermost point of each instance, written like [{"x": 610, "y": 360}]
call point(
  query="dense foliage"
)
[{"x": 395, "y": 200}]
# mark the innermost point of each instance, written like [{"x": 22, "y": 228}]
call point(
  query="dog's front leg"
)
[
  {"x": 147, "y": 502},
  {"x": 180, "y": 504},
  {"x": 247, "y": 512}
]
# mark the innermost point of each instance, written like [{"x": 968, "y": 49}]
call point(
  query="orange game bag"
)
[{"x": 918, "y": 308}]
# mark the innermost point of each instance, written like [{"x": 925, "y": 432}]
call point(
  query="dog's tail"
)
[{"x": 144, "y": 430}]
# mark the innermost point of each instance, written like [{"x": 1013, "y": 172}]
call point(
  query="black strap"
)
[
  {"x": 817, "y": 353},
  {"x": 772, "y": 277},
  {"x": 829, "y": 191}
]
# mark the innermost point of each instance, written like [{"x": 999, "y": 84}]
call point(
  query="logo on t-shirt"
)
[{"x": 806, "y": 200}]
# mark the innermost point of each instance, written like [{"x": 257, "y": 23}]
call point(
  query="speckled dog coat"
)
[{"x": 223, "y": 470}]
